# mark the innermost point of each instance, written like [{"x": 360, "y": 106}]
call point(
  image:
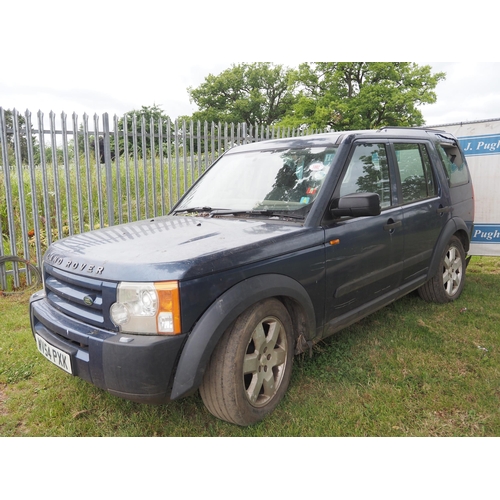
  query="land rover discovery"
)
[{"x": 278, "y": 245}]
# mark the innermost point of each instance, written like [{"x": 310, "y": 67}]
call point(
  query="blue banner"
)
[
  {"x": 486, "y": 233},
  {"x": 480, "y": 145}
]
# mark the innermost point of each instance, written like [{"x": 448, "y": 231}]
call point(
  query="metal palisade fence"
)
[{"x": 63, "y": 175}]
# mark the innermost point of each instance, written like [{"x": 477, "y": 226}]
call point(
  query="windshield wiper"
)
[
  {"x": 212, "y": 212},
  {"x": 191, "y": 210},
  {"x": 268, "y": 213}
]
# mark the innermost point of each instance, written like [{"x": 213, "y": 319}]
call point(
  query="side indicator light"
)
[{"x": 169, "y": 314}]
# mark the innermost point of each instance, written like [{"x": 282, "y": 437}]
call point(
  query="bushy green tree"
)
[
  {"x": 258, "y": 93},
  {"x": 361, "y": 95},
  {"x": 149, "y": 120}
]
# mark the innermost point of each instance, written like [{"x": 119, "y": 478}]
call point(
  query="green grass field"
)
[{"x": 411, "y": 369}]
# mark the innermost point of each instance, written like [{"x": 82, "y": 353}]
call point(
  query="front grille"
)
[{"x": 80, "y": 297}]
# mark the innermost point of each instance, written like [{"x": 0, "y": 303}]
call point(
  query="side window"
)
[
  {"x": 415, "y": 172},
  {"x": 368, "y": 172},
  {"x": 454, "y": 164}
]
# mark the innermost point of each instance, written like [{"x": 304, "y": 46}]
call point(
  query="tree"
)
[
  {"x": 144, "y": 117},
  {"x": 361, "y": 95},
  {"x": 149, "y": 119},
  {"x": 257, "y": 93}
]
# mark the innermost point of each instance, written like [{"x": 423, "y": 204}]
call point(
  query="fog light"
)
[{"x": 119, "y": 314}]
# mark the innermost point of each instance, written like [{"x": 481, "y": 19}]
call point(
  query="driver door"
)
[{"x": 364, "y": 255}]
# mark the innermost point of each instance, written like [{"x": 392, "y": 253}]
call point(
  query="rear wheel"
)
[
  {"x": 448, "y": 282},
  {"x": 250, "y": 369}
]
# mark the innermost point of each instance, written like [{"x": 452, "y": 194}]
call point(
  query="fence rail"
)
[{"x": 66, "y": 175}]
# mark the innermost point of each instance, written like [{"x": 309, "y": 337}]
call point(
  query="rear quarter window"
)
[{"x": 454, "y": 164}]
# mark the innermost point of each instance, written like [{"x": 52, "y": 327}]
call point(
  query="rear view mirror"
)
[{"x": 356, "y": 205}]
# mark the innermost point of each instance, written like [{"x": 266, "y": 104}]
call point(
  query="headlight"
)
[{"x": 148, "y": 308}]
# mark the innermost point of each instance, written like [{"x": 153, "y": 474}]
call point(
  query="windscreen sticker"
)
[
  {"x": 311, "y": 190},
  {"x": 317, "y": 176},
  {"x": 315, "y": 167},
  {"x": 304, "y": 200}
]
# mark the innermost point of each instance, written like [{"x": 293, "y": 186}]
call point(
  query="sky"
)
[
  {"x": 470, "y": 92},
  {"x": 110, "y": 56}
]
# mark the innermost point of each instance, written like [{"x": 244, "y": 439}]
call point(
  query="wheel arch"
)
[
  {"x": 454, "y": 227},
  {"x": 223, "y": 312},
  {"x": 463, "y": 236}
]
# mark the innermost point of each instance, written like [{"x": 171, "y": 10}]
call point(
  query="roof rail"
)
[
  {"x": 411, "y": 128},
  {"x": 393, "y": 126}
]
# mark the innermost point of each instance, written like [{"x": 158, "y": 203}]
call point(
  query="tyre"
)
[
  {"x": 448, "y": 282},
  {"x": 250, "y": 369}
]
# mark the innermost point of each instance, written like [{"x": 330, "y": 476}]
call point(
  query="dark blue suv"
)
[{"x": 278, "y": 245}]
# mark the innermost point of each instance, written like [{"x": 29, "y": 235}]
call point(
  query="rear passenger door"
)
[{"x": 423, "y": 207}]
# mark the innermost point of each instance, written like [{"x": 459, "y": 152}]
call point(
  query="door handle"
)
[
  {"x": 392, "y": 224},
  {"x": 444, "y": 210}
]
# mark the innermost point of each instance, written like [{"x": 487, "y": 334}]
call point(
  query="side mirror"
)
[{"x": 356, "y": 205}]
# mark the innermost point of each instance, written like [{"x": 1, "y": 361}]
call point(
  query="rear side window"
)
[
  {"x": 454, "y": 164},
  {"x": 415, "y": 172}
]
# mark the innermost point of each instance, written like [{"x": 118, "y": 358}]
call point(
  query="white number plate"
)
[{"x": 58, "y": 357}]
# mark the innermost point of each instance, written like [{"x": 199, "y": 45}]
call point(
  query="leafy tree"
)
[
  {"x": 149, "y": 119},
  {"x": 144, "y": 117},
  {"x": 361, "y": 95},
  {"x": 257, "y": 93}
]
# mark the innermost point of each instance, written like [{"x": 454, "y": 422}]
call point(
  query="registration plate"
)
[{"x": 53, "y": 354}]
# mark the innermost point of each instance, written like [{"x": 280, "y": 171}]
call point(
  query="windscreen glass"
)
[{"x": 286, "y": 180}]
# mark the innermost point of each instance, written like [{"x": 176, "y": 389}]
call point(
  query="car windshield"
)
[{"x": 269, "y": 180}]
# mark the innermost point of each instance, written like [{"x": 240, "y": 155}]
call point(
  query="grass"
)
[{"x": 411, "y": 369}]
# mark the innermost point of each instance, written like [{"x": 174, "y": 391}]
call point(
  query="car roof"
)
[{"x": 335, "y": 138}]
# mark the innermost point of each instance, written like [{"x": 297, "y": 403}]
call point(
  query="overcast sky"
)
[{"x": 110, "y": 56}]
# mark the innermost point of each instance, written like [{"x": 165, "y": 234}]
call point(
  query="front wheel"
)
[
  {"x": 448, "y": 282},
  {"x": 250, "y": 369}
]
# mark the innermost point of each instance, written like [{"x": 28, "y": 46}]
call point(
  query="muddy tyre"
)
[
  {"x": 448, "y": 282},
  {"x": 250, "y": 369}
]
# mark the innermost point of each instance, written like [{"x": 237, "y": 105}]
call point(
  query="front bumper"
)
[{"x": 135, "y": 367}]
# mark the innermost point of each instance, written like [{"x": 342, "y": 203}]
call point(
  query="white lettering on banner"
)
[
  {"x": 486, "y": 233},
  {"x": 480, "y": 145},
  {"x": 488, "y": 146},
  {"x": 478, "y": 234}
]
